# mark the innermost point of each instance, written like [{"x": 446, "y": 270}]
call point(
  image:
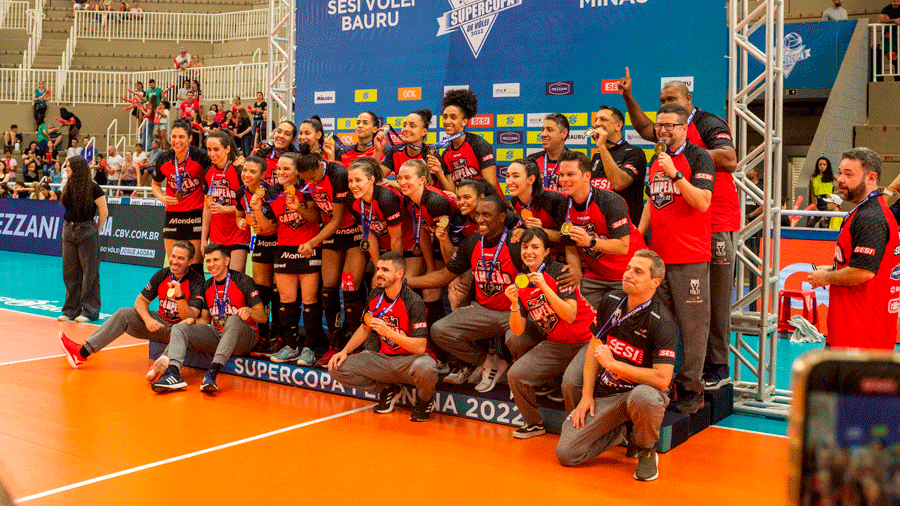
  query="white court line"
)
[
  {"x": 750, "y": 431},
  {"x": 96, "y": 322},
  {"x": 58, "y": 356},
  {"x": 189, "y": 455}
]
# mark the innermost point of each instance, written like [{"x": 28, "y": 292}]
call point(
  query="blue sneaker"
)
[{"x": 169, "y": 382}]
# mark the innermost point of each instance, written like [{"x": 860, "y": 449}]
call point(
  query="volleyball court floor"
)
[{"x": 98, "y": 435}]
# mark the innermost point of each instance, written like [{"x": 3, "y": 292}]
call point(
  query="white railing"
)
[
  {"x": 14, "y": 15},
  {"x": 35, "y": 27},
  {"x": 885, "y": 39},
  {"x": 177, "y": 26},
  {"x": 109, "y": 87}
]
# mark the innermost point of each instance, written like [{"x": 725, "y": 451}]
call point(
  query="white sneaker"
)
[
  {"x": 490, "y": 378},
  {"x": 476, "y": 375},
  {"x": 457, "y": 376},
  {"x": 82, "y": 319},
  {"x": 63, "y": 318}
]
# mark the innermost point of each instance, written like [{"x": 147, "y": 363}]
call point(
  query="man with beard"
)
[
  {"x": 836, "y": 12},
  {"x": 396, "y": 315},
  {"x": 862, "y": 312}
]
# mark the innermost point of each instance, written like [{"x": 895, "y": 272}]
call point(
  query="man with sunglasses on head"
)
[
  {"x": 677, "y": 214},
  {"x": 711, "y": 133}
]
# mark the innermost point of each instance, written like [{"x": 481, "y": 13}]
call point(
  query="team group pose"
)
[{"x": 393, "y": 262}]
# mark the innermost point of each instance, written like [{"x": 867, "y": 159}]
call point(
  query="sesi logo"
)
[
  {"x": 482, "y": 121},
  {"x": 609, "y": 86}
]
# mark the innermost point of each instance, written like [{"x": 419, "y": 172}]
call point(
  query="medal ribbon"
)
[
  {"x": 220, "y": 302},
  {"x": 315, "y": 184},
  {"x": 547, "y": 174},
  {"x": 417, "y": 232},
  {"x": 179, "y": 177},
  {"x": 443, "y": 143},
  {"x": 677, "y": 151},
  {"x": 586, "y": 204},
  {"x": 496, "y": 259},
  {"x": 366, "y": 222},
  {"x": 172, "y": 277},
  {"x": 384, "y": 311},
  {"x": 610, "y": 324}
]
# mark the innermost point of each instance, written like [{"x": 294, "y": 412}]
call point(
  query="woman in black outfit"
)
[{"x": 82, "y": 199}]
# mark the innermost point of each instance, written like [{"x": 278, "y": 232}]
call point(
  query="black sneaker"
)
[
  {"x": 529, "y": 431},
  {"x": 688, "y": 402},
  {"x": 716, "y": 376},
  {"x": 386, "y": 400},
  {"x": 422, "y": 411},
  {"x": 169, "y": 382},
  {"x": 209, "y": 382},
  {"x": 647, "y": 465}
]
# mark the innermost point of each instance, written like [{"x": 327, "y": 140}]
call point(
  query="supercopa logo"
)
[
  {"x": 474, "y": 18},
  {"x": 794, "y": 51}
]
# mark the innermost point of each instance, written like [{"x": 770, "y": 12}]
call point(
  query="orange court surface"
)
[{"x": 99, "y": 436}]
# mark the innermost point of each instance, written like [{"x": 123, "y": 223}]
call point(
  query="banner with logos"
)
[
  {"x": 132, "y": 235},
  {"x": 813, "y": 52},
  {"x": 31, "y": 226},
  {"x": 522, "y": 58}
]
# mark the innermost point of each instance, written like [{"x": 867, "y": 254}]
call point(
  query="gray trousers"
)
[
  {"x": 685, "y": 291},
  {"x": 542, "y": 363},
  {"x": 644, "y": 406},
  {"x": 81, "y": 269},
  {"x": 127, "y": 320},
  {"x": 593, "y": 290},
  {"x": 372, "y": 372},
  {"x": 238, "y": 338},
  {"x": 457, "y": 332},
  {"x": 721, "y": 285},
  {"x": 573, "y": 380}
]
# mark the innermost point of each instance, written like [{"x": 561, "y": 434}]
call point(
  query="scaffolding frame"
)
[
  {"x": 757, "y": 394},
  {"x": 280, "y": 71}
]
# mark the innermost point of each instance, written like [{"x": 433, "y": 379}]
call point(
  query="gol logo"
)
[{"x": 409, "y": 93}]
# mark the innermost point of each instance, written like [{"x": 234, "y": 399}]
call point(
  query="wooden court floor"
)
[{"x": 100, "y": 436}]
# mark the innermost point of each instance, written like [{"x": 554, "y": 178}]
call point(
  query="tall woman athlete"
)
[{"x": 223, "y": 180}]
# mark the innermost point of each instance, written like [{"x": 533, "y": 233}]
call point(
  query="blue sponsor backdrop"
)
[
  {"x": 813, "y": 52},
  {"x": 520, "y": 57},
  {"x": 31, "y": 226}
]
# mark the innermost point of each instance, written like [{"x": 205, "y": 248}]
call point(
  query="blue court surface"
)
[{"x": 33, "y": 284}]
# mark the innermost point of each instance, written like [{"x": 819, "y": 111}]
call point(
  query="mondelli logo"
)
[
  {"x": 474, "y": 18},
  {"x": 324, "y": 97},
  {"x": 560, "y": 88}
]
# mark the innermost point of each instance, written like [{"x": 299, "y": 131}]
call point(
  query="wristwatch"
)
[
  {"x": 678, "y": 175},
  {"x": 593, "y": 242},
  {"x": 179, "y": 298}
]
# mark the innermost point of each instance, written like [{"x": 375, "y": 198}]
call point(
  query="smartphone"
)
[{"x": 845, "y": 428}]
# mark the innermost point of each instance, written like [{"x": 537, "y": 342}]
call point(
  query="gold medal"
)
[
  {"x": 565, "y": 228},
  {"x": 209, "y": 199},
  {"x": 444, "y": 221},
  {"x": 290, "y": 190},
  {"x": 416, "y": 249},
  {"x": 431, "y": 151},
  {"x": 367, "y": 318},
  {"x": 220, "y": 321},
  {"x": 589, "y": 132},
  {"x": 179, "y": 195},
  {"x": 526, "y": 213},
  {"x": 171, "y": 292},
  {"x": 522, "y": 280},
  {"x": 385, "y": 128},
  {"x": 260, "y": 192},
  {"x": 249, "y": 219},
  {"x": 659, "y": 148},
  {"x": 364, "y": 245}
]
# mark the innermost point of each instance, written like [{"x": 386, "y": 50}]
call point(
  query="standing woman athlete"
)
[
  {"x": 282, "y": 142},
  {"x": 415, "y": 128},
  {"x": 369, "y": 141},
  {"x": 297, "y": 221},
  {"x": 426, "y": 207},
  {"x": 219, "y": 219},
  {"x": 468, "y": 154},
  {"x": 263, "y": 247},
  {"x": 378, "y": 210},
  {"x": 340, "y": 238},
  {"x": 538, "y": 207},
  {"x": 183, "y": 168}
]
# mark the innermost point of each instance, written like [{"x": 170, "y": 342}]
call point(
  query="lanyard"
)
[
  {"x": 620, "y": 141},
  {"x": 548, "y": 175},
  {"x": 690, "y": 119},
  {"x": 850, "y": 214},
  {"x": 220, "y": 303},
  {"x": 612, "y": 322},
  {"x": 677, "y": 151},
  {"x": 443, "y": 143},
  {"x": 587, "y": 204},
  {"x": 217, "y": 182},
  {"x": 172, "y": 276},
  {"x": 366, "y": 222},
  {"x": 417, "y": 232},
  {"x": 496, "y": 259},
  {"x": 315, "y": 184},
  {"x": 179, "y": 177},
  {"x": 384, "y": 311}
]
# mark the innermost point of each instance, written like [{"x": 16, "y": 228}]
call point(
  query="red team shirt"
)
[
  {"x": 488, "y": 293},
  {"x": 605, "y": 216},
  {"x": 680, "y": 233},
  {"x": 223, "y": 185},
  {"x": 193, "y": 170},
  {"x": 865, "y": 315},
  {"x": 293, "y": 230},
  {"x": 470, "y": 159},
  {"x": 549, "y": 169},
  {"x": 534, "y": 305},
  {"x": 406, "y": 317},
  {"x": 241, "y": 292},
  {"x": 710, "y": 132},
  {"x": 351, "y": 155},
  {"x": 192, "y": 285},
  {"x": 386, "y": 212},
  {"x": 435, "y": 203},
  {"x": 332, "y": 189}
]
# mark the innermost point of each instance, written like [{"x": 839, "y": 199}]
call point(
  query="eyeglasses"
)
[{"x": 668, "y": 126}]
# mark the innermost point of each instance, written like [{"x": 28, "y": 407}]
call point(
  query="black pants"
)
[
  {"x": 40, "y": 110},
  {"x": 81, "y": 269}
]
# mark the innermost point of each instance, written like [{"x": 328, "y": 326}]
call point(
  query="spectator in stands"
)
[
  {"x": 195, "y": 62},
  {"x": 78, "y": 5},
  {"x": 74, "y": 128},
  {"x": 140, "y": 156},
  {"x": 182, "y": 59},
  {"x": 152, "y": 89},
  {"x": 43, "y": 137},
  {"x": 147, "y": 118},
  {"x": 836, "y": 12},
  {"x": 228, "y": 124},
  {"x": 627, "y": 373},
  {"x": 396, "y": 315},
  {"x": 128, "y": 174},
  {"x": 42, "y": 192},
  {"x": 5, "y": 192},
  {"x": 259, "y": 108},
  {"x": 12, "y": 139},
  {"x": 821, "y": 183},
  {"x": 155, "y": 150},
  {"x": 214, "y": 108},
  {"x": 8, "y": 160},
  {"x": 20, "y": 191},
  {"x": 834, "y": 202},
  {"x": 162, "y": 127},
  {"x": 189, "y": 105},
  {"x": 136, "y": 12},
  {"x": 196, "y": 128},
  {"x": 114, "y": 162},
  {"x": 891, "y": 15},
  {"x": 180, "y": 293},
  {"x": 40, "y": 96},
  {"x": 30, "y": 164},
  {"x": 101, "y": 177},
  {"x": 182, "y": 94},
  {"x": 82, "y": 199},
  {"x": 227, "y": 324},
  {"x": 198, "y": 94},
  {"x": 209, "y": 125},
  {"x": 54, "y": 139},
  {"x": 7, "y": 175},
  {"x": 243, "y": 135},
  {"x": 220, "y": 111}
]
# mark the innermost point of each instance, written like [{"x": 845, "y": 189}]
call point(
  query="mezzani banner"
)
[
  {"x": 522, "y": 58},
  {"x": 31, "y": 226}
]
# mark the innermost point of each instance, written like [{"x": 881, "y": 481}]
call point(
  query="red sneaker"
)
[
  {"x": 323, "y": 362},
  {"x": 72, "y": 351}
]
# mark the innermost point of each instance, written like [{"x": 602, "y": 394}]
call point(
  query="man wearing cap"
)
[
  {"x": 834, "y": 205},
  {"x": 182, "y": 59}
]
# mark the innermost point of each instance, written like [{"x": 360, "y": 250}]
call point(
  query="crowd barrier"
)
[
  {"x": 14, "y": 15},
  {"x": 885, "y": 42},
  {"x": 177, "y": 26}
]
